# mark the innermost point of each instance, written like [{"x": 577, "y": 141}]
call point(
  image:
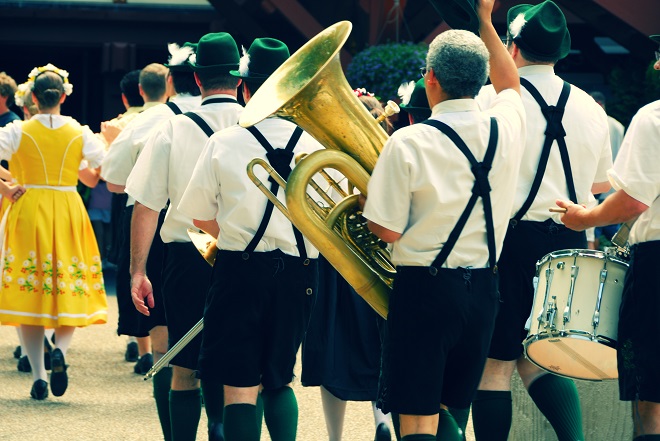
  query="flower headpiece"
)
[
  {"x": 362, "y": 92},
  {"x": 27, "y": 87}
]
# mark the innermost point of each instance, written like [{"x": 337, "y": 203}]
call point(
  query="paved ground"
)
[{"x": 106, "y": 401}]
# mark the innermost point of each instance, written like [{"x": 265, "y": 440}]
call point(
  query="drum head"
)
[{"x": 573, "y": 357}]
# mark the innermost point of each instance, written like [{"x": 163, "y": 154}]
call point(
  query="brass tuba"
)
[{"x": 311, "y": 90}]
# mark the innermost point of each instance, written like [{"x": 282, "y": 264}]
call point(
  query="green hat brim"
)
[
  {"x": 561, "y": 52},
  {"x": 655, "y": 38},
  {"x": 249, "y": 76},
  {"x": 413, "y": 108},
  {"x": 458, "y": 14},
  {"x": 216, "y": 68}
]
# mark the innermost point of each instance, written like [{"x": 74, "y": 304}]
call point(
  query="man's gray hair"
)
[{"x": 459, "y": 60}]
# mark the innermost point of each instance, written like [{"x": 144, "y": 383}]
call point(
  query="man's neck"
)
[{"x": 208, "y": 93}]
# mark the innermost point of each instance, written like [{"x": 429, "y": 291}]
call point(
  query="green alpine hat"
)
[
  {"x": 540, "y": 30},
  {"x": 262, "y": 59},
  {"x": 458, "y": 14},
  {"x": 417, "y": 100},
  {"x": 216, "y": 53},
  {"x": 178, "y": 60}
]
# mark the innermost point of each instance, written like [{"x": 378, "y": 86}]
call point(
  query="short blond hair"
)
[{"x": 153, "y": 80}]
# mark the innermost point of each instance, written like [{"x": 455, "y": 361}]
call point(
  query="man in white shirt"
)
[
  {"x": 264, "y": 277},
  {"x": 567, "y": 154},
  {"x": 430, "y": 195},
  {"x": 636, "y": 178},
  {"x": 159, "y": 176},
  {"x": 183, "y": 95}
]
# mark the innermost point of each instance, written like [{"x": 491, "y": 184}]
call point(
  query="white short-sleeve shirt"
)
[
  {"x": 93, "y": 148},
  {"x": 125, "y": 149},
  {"x": 166, "y": 163},
  {"x": 587, "y": 139},
  {"x": 221, "y": 189},
  {"x": 637, "y": 170},
  {"x": 422, "y": 182}
]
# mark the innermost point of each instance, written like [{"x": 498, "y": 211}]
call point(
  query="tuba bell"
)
[{"x": 311, "y": 90}]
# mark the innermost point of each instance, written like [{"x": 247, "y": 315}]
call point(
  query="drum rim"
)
[{"x": 576, "y": 252}]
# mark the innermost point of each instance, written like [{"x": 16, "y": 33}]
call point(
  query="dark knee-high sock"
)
[
  {"x": 647, "y": 438},
  {"x": 281, "y": 413},
  {"x": 162, "y": 382},
  {"x": 397, "y": 426},
  {"x": 185, "y": 410},
  {"x": 241, "y": 423},
  {"x": 260, "y": 413},
  {"x": 491, "y": 415},
  {"x": 448, "y": 430},
  {"x": 214, "y": 402},
  {"x": 461, "y": 417},
  {"x": 557, "y": 398},
  {"x": 419, "y": 438}
]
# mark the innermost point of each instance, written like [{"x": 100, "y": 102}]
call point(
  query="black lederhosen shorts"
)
[
  {"x": 257, "y": 312},
  {"x": 524, "y": 245},
  {"x": 638, "y": 350},
  {"x": 186, "y": 279},
  {"x": 131, "y": 322},
  {"x": 438, "y": 332}
]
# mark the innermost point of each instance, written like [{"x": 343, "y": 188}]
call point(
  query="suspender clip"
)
[
  {"x": 245, "y": 256},
  {"x": 433, "y": 270},
  {"x": 306, "y": 262}
]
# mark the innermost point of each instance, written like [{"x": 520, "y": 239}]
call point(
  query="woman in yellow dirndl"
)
[{"x": 51, "y": 267}]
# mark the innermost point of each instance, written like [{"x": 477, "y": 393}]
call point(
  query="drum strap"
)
[
  {"x": 280, "y": 160},
  {"x": 481, "y": 189},
  {"x": 554, "y": 131}
]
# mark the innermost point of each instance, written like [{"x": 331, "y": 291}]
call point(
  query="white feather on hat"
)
[
  {"x": 517, "y": 25},
  {"x": 178, "y": 55},
  {"x": 405, "y": 92},
  {"x": 244, "y": 63}
]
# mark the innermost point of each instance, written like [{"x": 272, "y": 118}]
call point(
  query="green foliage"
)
[
  {"x": 382, "y": 68},
  {"x": 633, "y": 86}
]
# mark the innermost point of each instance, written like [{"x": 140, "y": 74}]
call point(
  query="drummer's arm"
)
[
  {"x": 143, "y": 228},
  {"x": 617, "y": 208},
  {"x": 208, "y": 226}
]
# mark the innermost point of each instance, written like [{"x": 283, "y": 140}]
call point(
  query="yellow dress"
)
[{"x": 51, "y": 274}]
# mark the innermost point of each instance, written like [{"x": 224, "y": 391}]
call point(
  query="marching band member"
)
[
  {"x": 161, "y": 174},
  {"x": 264, "y": 278},
  {"x": 176, "y": 82},
  {"x": 433, "y": 183},
  {"x": 51, "y": 264},
  {"x": 566, "y": 131},
  {"x": 636, "y": 178}
]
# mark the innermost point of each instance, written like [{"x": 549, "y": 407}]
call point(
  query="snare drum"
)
[{"x": 575, "y": 314}]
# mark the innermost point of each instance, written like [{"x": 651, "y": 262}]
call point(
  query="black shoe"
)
[
  {"x": 23, "y": 364},
  {"x": 144, "y": 364},
  {"x": 383, "y": 433},
  {"x": 39, "y": 390},
  {"x": 216, "y": 432},
  {"x": 59, "y": 380},
  {"x": 132, "y": 353},
  {"x": 17, "y": 352}
]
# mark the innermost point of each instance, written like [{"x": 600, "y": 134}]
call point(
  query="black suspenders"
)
[
  {"x": 200, "y": 121},
  {"x": 481, "y": 189},
  {"x": 174, "y": 108},
  {"x": 280, "y": 160},
  {"x": 554, "y": 131}
]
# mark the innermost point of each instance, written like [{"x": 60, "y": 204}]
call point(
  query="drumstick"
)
[{"x": 557, "y": 210}]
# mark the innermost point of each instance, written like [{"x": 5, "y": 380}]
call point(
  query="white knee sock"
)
[
  {"x": 63, "y": 337},
  {"x": 33, "y": 344},
  {"x": 379, "y": 416},
  {"x": 20, "y": 340},
  {"x": 334, "y": 410}
]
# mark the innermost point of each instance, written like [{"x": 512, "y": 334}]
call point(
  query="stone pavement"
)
[{"x": 107, "y": 401}]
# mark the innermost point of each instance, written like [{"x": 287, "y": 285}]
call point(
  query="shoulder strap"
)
[
  {"x": 174, "y": 108},
  {"x": 206, "y": 128},
  {"x": 481, "y": 189},
  {"x": 280, "y": 160},
  {"x": 554, "y": 131}
]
